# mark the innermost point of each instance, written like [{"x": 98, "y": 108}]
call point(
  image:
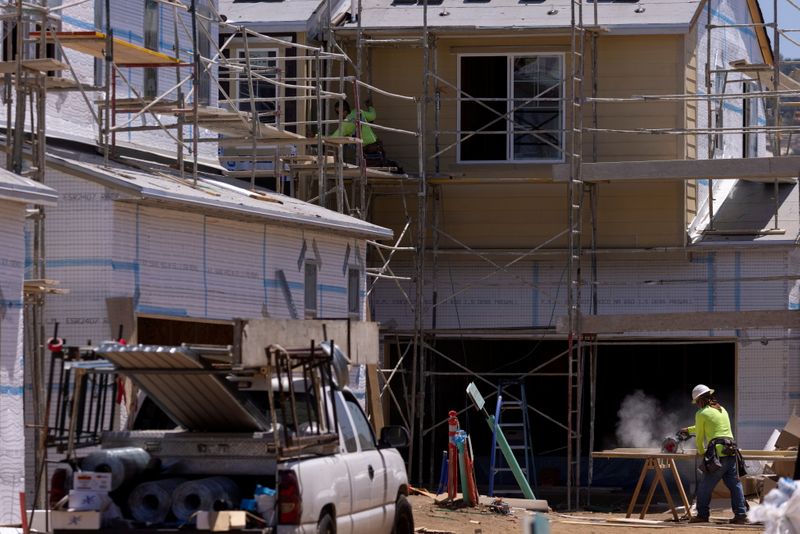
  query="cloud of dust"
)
[{"x": 643, "y": 423}]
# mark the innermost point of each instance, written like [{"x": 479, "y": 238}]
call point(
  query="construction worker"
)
[
  {"x": 721, "y": 457},
  {"x": 348, "y": 127},
  {"x": 371, "y": 147}
]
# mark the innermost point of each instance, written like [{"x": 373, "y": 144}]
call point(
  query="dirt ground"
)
[{"x": 431, "y": 518}]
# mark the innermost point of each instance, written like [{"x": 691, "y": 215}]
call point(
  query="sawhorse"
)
[{"x": 659, "y": 465}]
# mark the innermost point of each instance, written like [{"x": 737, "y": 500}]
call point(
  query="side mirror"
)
[{"x": 394, "y": 437}]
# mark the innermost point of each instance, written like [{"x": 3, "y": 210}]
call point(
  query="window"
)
[
  {"x": 264, "y": 64},
  {"x": 750, "y": 119},
  {"x": 363, "y": 428},
  {"x": 204, "y": 47},
  {"x": 311, "y": 290},
  {"x": 510, "y": 108},
  {"x": 151, "y": 25},
  {"x": 344, "y": 425},
  {"x": 354, "y": 292}
]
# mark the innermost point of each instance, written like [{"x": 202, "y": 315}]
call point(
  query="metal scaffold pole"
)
[
  {"x": 418, "y": 355},
  {"x": 195, "y": 90},
  {"x": 575, "y": 192}
]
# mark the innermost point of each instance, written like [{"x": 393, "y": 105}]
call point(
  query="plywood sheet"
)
[
  {"x": 94, "y": 44},
  {"x": 642, "y": 454},
  {"x": 231, "y": 123},
  {"x": 258, "y": 334}
]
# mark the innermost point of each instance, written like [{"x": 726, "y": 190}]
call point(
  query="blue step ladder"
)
[{"x": 511, "y": 415}]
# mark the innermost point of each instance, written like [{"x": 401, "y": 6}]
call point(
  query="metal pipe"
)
[{"x": 195, "y": 90}]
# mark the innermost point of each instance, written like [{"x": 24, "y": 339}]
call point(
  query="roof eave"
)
[
  {"x": 24, "y": 196},
  {"x": 554, "y": 31},
  {"x": 282, "y": 26},
  {"x": 142, "y": 193},
  {"x": 278, "y": 218}
]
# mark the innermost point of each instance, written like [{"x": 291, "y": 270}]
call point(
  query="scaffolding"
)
[
  {"x": 303, "y": 162},
  {"x": 418, "y": 413}
]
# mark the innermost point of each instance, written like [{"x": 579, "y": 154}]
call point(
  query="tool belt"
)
[{"x": 711, "y": 461}]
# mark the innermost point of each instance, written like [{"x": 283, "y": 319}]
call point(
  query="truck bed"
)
[{"x": 221, "y": 453}]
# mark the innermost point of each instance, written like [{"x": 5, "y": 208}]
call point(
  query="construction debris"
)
[{"x": 500, "y": 507}]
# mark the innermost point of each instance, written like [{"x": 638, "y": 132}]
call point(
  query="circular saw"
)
[{"x": 674, "y": 444}]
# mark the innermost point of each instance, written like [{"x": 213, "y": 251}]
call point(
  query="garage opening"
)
[{"x": 664, "y": 371}]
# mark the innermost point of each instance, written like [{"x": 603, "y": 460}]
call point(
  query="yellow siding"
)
[{"x": 524, "y": 215}]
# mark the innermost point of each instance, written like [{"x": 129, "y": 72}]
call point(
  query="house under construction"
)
[{"x": 598, "y": 197}]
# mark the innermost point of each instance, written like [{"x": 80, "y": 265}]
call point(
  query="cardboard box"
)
[
  {"x": 89, "y": 480},
  {"x": 70, "y": 520},
  {"x": 38, "y": 520},
  {"x": 790, "y": 435},
  {"x": 749, "y": 485},
  {"x": 221, "y": 521},
  {"x": 783, "y": 468},
  {"x": 769, "y": 484},
  {"x": 82, "y": 500}
]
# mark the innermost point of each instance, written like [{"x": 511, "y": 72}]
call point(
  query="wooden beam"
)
[
  {"x": 374, "y": 398},
  {"x": 673, "y": 322},
  {"x": 784, "y": 168}
]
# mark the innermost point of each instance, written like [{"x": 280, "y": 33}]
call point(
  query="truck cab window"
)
[
  {"x": 365, "y": 436},
  {"x": 348, "y": 435}
]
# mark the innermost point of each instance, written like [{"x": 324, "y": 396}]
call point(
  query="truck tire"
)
[
  {"x": 326, "y": 525},
  {"x": 403, "y": 517}
]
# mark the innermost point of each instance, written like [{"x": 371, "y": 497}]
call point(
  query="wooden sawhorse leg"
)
[
  {"x": 645, "y": 468},
  {"x": 658, "y": 465},
  {"x": 681, "y": 490}
]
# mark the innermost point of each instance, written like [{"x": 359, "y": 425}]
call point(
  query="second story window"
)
[
  {"x": 354, "y": 292},
  {"x": 750, "y": 119},
  {"x": 264, "y": 65},
  {"x": 310, "y": 290},
  {"x": 151, "y": 36},
  {"x": 510, "y": 108}
]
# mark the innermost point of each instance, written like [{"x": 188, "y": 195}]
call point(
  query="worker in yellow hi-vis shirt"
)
[
  {"x": 721, "y": 457},
  {"x": 371, "y": 147},
  {"x": 348, "y": 127}
]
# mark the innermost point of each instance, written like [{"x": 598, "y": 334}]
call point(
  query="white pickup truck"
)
[{"x": 287, "y": 426}]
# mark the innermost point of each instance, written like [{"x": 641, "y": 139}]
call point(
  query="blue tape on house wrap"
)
[{"x": 11, "y": 391}]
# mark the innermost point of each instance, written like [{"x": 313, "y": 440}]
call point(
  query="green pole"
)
[
  {"x": 480, "y": 404},
  {"x": 462, "y": 467},
  {"x": 509, "y": 456}
]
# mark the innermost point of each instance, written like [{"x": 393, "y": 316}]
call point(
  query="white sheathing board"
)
[
  {"x": 767, "y": 385},
  {"x": 727, "y": 44},
  {"x": 79, "y": 246},
  {"x": 12, "y": 444},
  {"x": 186, "y": 264},
  {"x": 471, "y": 294},
  {"x": 532, "y": 293},
  {"x": 68, "y": 113}
]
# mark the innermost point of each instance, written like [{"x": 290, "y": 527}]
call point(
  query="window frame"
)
[
  {"x": 255, "y": 52},
  {"x": 358, "y": 305},
  {"x": 509, "y": 159},
  {"x": 151, "y": 8},
  {"x": 750, "y": 116}
]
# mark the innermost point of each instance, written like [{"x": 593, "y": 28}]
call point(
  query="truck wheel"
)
[
  {"x": 403, "y": 517},
  {"x": 326, "y": 525}
]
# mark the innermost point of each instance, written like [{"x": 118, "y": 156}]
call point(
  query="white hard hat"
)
[{"x": 700, "y": 389}]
